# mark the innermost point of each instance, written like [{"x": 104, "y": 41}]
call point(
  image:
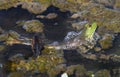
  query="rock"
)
[
  {"x": 48, "y": 62},
  {"x": 13, "y": 34},
  {"x": 104, "y": 17},
  {"x": 35, "y": 7},
  {"x": 16, "y": 58},
  {"x": 48, "y": 16},
  {"x": 2, "y": 47},
  {"x": 1, "y": 30},
  {"x": 97, "y": 49},
  {"x": 20, "y": 22},
  {"x": 69, "y": 5},
  {"x": 33, "y": 26},
  {"x": 117, "y": 5},
  {"x": 106, "y": 41},
  {"x": 51, "y": 16},
  {"x": 3, "y": 36},
  {"x": 16, "y": 74},
  {"x": 79, "y": 25},
  {"x": 74, "y": 16},
  {"x": 77, "y": 70},
  {"x": 103, "y": 73},
  {"x": 104, "y": 57},
  {"x": 108, "y": 3},
  {"x": 40, "y": 16}
]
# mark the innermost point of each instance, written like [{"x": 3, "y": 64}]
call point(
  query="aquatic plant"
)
[{"x": 47, "y": 61}]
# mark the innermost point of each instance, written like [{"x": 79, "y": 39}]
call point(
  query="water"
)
[{"x": 54, "y": 30}]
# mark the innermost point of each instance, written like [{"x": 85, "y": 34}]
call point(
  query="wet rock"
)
[
  {"x": 107, "y": 3},
  {"x": 97, "y": 49},
  {"x": 104, "y": 57},
  {"x": 48, "y": 16},
  {"x": 3, "y": 36},
  {"x": 7, "y": 35},
  {"x": 47, "y": 62},
  {"x": 103, "y": 73},
  {"x": 16, "y": 58},
  {"x": 16, "y": 74},
  {"x": 117, "y": 5},
  {"x": 40, "y": 16},
  {"x": 1, "y": 30},
  {"x": 90, "y": 56},
  {"x": 33, "y": 26},
  {"x": 69, "y": 5},
  {"x": 116, "y": 72},
  {"x": 74, "y": 16},
  {"x": 79, "y": 25},
  {"x": 51, "y": 16},
  {"x": 2, "y": 47},
  {"x": 57, "y": 70},
  {"x": 115, "y": 58},
  {"x": 106, "y": 41},
  {"x": 35, "y": 7},
  {"x": 4, "y": 4},
  {"x": 13, "y": 34},
  {"x": 20, "y": 22},
  {"x": 104, "y": 17},
  {"x": 77, "y": 70}
]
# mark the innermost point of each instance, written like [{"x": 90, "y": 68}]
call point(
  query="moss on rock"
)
[
  {"x": 106, "y": 42},
  {"x": 47, "y": 61},
  {"x": 33, "y": 26},
  {"x": 103, "y": 73}
]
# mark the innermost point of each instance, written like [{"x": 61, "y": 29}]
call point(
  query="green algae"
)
[
  {"x": 33, "y": 26},
  {"x": 78, "y": 70},
  {"x": 106, "y": 42},
  {"x": 103, "y": 73},
  {"x": 46, "y": 62},
  {"x": 16, "y": 74}
]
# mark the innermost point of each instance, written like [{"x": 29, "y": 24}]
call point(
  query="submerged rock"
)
[
  {"x": 51, "y": 16},
  {"x": 33, "y": 26},
  {"x": 76, "y": 70},
  {"x": 1, "y": 30},
  {"x": 16, "y": 74},
  {"x": 107, "y": 3},
  {"x": 35, "y": 7},
  {"x": 117, "y": 5},
  {"x": 103, "y": 73},
  {"x": 47, "y": 62},
  {"x": 3, "y": 36},
  {"x": 106, "y": 41},
  {"x": 2, "y": 47},
  {"x": 48, "y": 16},
  {"x": 79, "y": 25}
]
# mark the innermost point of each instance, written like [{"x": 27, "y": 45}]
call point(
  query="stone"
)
[
  {"x": 106, "y": 41},
  {"x": 33, "y": 26}
]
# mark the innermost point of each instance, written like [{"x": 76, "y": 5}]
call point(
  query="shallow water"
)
[{"x": 55, "y": 30}]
